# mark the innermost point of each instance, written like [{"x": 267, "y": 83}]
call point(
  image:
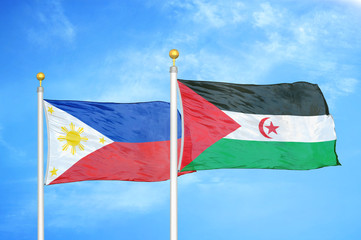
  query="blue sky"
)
[{"x": 118, "y": 51}]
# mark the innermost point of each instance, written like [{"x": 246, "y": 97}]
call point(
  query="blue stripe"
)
[{"x": 123, "y": 122}]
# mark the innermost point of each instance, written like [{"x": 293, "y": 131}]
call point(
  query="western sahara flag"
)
[
  {"x": 281, "y": 126},
  {"x": 107, "y": 141}
]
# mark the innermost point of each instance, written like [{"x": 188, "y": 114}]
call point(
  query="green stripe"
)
[{"x": 230, "y": 153}]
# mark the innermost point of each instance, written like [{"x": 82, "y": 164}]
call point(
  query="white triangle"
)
[{"x": 60, "y": 159}]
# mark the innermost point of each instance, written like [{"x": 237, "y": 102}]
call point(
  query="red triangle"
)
[
  {"x": 204, "y": 124},
  {"x": 141, "y": 162}
]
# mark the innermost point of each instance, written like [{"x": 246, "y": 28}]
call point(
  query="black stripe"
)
[{"x": 300, "y": 98}]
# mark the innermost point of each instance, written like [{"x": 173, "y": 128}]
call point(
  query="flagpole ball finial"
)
[
  {"x": 174, "y": 55},
  {"x": 40, "y": 76}
]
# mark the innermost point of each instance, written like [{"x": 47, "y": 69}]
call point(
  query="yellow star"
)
[
  {"x": 50, "y": 109},
  {"x": 53, "y": 172},
  {"x": 102, "y": 140}
]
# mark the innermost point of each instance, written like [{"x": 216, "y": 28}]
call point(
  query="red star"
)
[{"x": 272, "y": 128}]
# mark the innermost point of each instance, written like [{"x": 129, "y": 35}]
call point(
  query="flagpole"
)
[
  {"x": 40, "y": 76},
  {"x": 173, "y": 148}
]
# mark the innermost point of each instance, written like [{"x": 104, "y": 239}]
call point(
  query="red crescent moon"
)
[{"x": 260, "y": 126}]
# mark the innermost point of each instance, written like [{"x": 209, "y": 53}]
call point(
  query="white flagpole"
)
[
  {"x": 40, "y": 76},
  {"x": 173, "y": 148}
]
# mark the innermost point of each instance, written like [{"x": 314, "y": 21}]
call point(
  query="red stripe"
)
[
  {"x": 204, "y": 124},
  {"x": 143, "y": 162}
]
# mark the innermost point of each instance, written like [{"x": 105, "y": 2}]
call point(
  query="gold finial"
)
[
  {"x": 40, "y": 76},
  {"x": 173, "y": 54}
]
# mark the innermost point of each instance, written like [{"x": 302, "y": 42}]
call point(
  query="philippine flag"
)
[{"x": 107, "y": 141}]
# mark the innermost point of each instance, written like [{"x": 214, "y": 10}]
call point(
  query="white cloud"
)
[
  {"x": 53, "y": 23},
  {"x": 268, "y": 16},
  {"x": 13, "y": 151},
  {"x": 87, "y": 203},
  {"x": 129, "y": 75},
  {"x": 353, "y": 2},
  {"x": 218, "y": 15},
  {"x": 338, "y": 87},
  {"x": 215, "y": 188},
  {"x": 348, "y": 85},
  {"x": 12, "y": 222},
  {"x": 283, "y": 38},
  {"x": 188, "y": 180},
  {"x": 215, "y": 14},
  {"x": 306, "y": 41}
]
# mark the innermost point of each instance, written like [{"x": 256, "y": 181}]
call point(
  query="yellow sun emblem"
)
[{"x": 72, "y": 138}]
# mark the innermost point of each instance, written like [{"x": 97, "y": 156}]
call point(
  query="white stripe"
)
[
  {"x": 290, "y": 128},
  {"x": 57, "y": 157}
]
